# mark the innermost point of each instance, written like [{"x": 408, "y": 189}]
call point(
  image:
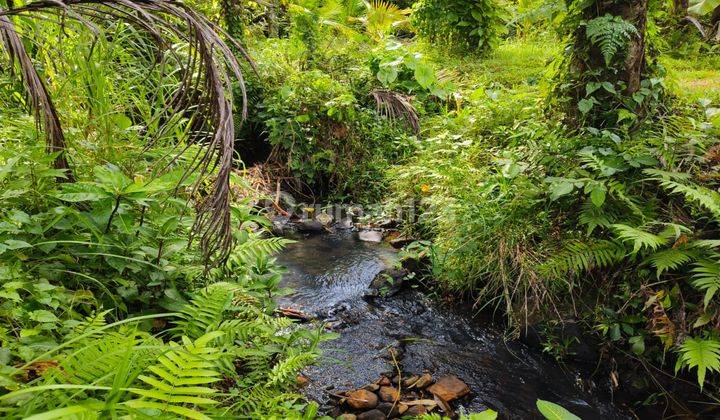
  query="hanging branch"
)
[{"x": 204, "y": 94}]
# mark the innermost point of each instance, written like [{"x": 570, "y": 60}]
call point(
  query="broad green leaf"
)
[
  {"x": 387, "y": 74},
  {"x": 424, "y": 75},
  {"x": 597, "y": 196},
  {"x": 703, "y": 7},
  {"x": 585, "y": 105},
  {"x": 16, "y": 244},
  {"x": 703, "y": 354},
  {"x": 485, "y": 415},
  {"x": 560, "y": 188},
  {"x": 552, "y": 411}
]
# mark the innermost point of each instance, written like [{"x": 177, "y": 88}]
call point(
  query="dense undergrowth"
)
[
  {"x": 550, "y": 196},
  {"x": 546, "y": 193},
  {"x": 109, "y": 307}
]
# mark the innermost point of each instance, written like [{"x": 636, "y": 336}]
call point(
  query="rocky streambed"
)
[{"x": 386, "y": 339}]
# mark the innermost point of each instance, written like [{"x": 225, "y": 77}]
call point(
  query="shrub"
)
[{"x": 464, "y": 24}]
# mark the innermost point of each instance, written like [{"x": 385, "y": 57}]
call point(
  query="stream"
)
[{"x": 330, "y": 273}]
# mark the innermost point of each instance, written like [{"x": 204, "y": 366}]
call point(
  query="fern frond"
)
[
  {"x": 254, "y": 248},
  {"x": 98, "y": 361},
  {"x": 674, "y": 183},
  {"x": 181, "y": 378},
  {"x": 704, "y": 354},
  {"x": 580, "y": 256},
  {"x": 288, "y": 368},
  {"x": 611, "y": 34},
  {"x": 706, "y": 278},
  {"x": 640, "y": 239},
  {"x": 593, "y": 217},
  {"x": 671, "y": 259},
  {"x": 206, "y": 311}
]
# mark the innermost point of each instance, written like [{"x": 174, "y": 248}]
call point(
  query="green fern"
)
[
  {"x": 181, "y": 378},
  {"x": 706, "y": 278},
  {"x": 98, "y": 360},
  {"x": 611, "y": 34},
  {"x": 580, "y": 256},
  {"x": 206, "y": 311},
  {"x": 639, "y": 238},
  {"x": 250, "y": 249},
  {"x": 671, "y": 259},
  {"x": 593, "y": 217},
  {"x": 288, "y": 368},
  {"x": 675, "y": 183},
  {"x": 701, "y": 353}
]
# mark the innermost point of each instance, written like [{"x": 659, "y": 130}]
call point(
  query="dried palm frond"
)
[
  {"x": 40, "y": 102},
  {"x": 395, "y": 105},
  {"x": 204, "y": 93}
]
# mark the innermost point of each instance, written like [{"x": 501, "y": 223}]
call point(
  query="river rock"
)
[
  {"x": 324, "y": 218},
  {"x": 347, "y": 416},
  {"x": 415, "y": 411},
  {"x": 387, "y": 282},
  {"x": 372, "y": 387},
  {"x": 310, "y": 226},
  {"x": 371, "y": 415},
  {"x": 384, "y": 381},
  {"x": 449, "y": 388},
  {"x": 401, "y": 242},
  {"x": 374, "y": 236},
  {"x": 362, "y": 399},
  {"x": 409, "y": 381},
  {"x": 389, "y": 393},
  {"x": 424, "y": 381},
  {"x": 391, "y": 409},
  {"x": 345, "y": 224}
]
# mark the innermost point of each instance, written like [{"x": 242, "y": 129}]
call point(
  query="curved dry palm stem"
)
[
  {"x": 395, "y": 105},
  {"x": 40, "y": 101},
  {"x": 204, "y": 94}
]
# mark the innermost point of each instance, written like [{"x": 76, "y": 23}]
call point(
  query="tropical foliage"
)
[{"x": 559, "y": 159}]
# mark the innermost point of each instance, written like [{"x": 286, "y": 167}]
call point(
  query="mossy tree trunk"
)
[
  {"x": 608, "y": 81},
  {"x": 632, "y": 67},
  {"x": 681, "y": 7}
]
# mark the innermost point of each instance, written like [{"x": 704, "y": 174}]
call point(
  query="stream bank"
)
[{"x": 330, "y": 273}]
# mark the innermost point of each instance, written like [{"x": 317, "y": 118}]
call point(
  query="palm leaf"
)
[{"x": 204, "y": 94}]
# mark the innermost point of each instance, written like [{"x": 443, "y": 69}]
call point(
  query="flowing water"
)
[{"x": 329, "y": 274}]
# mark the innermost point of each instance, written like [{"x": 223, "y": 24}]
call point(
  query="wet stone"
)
[
  {"x": 371, "y": 415},
  {"x": 324, "y": 218},
  {"x": 310, "y": 226},
  {"x": 362, "y": 399},
  {"x": 374, "y": 236},
  {"x": 449, "y": 388},
  {"x": 415, "y": 411},
  {"x": 410, "y": 381},
  {"x": 392, "y": 410},
  {"x": 389, "y": 393},
  {"x": 372, "y": 387},
  {"x": 347, "y": 416},
  {"x": 424, "y": 381}
]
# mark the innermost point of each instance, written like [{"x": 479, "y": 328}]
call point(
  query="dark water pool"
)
[{"x": 331, "y": 272}]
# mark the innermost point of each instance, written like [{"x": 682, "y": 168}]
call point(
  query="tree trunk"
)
[
  {"x": 272, "y": 19},
  {"x": 634, "y": 63},
  {"x": 681, "y": 7},
  {"x": 588, "y": 68}
]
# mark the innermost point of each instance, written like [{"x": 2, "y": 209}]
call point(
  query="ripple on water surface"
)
[{"x": 330, "y": 273}]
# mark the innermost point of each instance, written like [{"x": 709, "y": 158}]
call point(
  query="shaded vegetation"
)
[{"x": 561, "y": 159}]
